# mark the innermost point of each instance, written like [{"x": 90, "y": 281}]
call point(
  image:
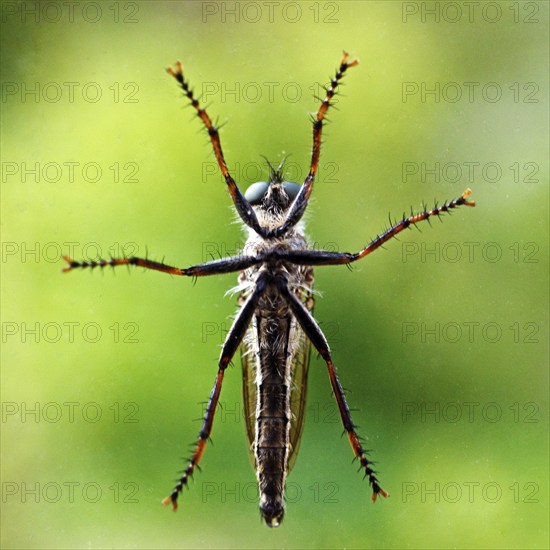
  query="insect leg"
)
[
  {"x": 243, "y": 207},
  {"x": 232, "y": 342},
  {"x": 300, "y": 202},
  {"x": 315, "y": 334},
  {"x": 326, "y": 257},
  {"x": 224, "y": 265}
]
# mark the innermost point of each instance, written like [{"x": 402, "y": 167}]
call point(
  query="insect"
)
[{"x": 274, "y": 325}]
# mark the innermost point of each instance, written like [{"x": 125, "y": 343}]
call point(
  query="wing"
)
[
  {"x": 249, "y": 356},
  {"x": 298, "y": 390}
]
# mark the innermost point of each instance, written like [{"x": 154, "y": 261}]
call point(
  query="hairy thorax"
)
[{"x": 300, "y": 278}]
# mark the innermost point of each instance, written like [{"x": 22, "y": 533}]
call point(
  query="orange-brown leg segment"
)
[
  {"x": 317, "y": 338},
  {"x": 345, "y": 64},
  {"x": 243, "y": 207},
  {"x": 412, "y": 220},
  {"x": 345, "y": 415},
  {"x": 232, "y": 342},
  {"x": 204, "y": 434},
  {"x": 300, "y": 203},
  {"x": 215, "y": 267},
  {"x": 326, "y": 257}
]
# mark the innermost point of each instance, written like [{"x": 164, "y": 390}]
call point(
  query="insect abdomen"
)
[{"x": 272, "y": 438}]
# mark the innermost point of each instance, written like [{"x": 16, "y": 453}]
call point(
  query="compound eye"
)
[
  {"x": 256, "y": 192},
  {"x": 291, "y": 189}
]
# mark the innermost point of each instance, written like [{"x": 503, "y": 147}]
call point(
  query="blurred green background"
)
[{"x": 442, "y": 336}]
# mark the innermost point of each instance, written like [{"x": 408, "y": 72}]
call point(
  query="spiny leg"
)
[
  {"x": 232, "y": 342},
  {"x": 300, "y": 257},
  {"x": 243, "y": 207},
  {"x": 300, "y": 203},
  {"x": 345, "y": 64},
  {"x": 325, "y": 257},
  {"x": 224, "y": 265},
  {"x": 412, "y": 220},
  {"x": 317, "y": 338}
]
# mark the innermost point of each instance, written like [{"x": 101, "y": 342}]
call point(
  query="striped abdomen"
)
[
  {"x": 275, "y": 360},
  {"x": 271, "y": 445}
]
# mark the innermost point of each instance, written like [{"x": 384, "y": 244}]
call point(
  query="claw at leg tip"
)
[
  {"x": 177, "y": 71},
  {"x": 375, "y": 494},
  {"x": 465, "y": 195},
  {"x": 69, "y": 267},
  {"x": 168, "y": 500}
]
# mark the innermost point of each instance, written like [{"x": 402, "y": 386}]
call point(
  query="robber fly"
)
[{"x": 274, "y": 325}]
